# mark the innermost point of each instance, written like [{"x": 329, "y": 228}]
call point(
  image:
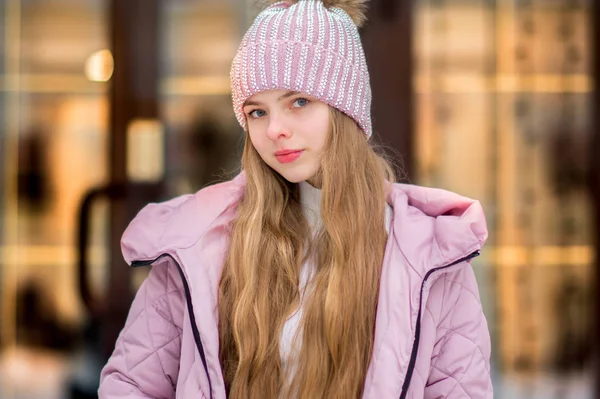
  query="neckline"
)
[{"x": 310, "y": 199}]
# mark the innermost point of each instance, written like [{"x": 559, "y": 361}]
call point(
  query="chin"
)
[
  {"x": 295, "y": 177},
  {"x": 292, "y": 178}
]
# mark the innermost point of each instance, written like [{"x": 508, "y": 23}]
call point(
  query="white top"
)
[{"x": 291, "y": 335}]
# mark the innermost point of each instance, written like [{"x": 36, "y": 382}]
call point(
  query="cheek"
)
[
  {"x": 259, "y": 142},
  {"x": 255, "y": 138},
  {"x": 321, "y": 133}
]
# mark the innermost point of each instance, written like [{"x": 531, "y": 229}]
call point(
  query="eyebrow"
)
[{"x": 282, "y": 97}]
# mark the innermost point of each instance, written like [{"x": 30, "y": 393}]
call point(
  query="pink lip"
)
[{"x": 287, "y": 156}]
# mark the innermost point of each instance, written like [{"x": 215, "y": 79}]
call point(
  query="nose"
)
[{"x": 278, "y": 127}]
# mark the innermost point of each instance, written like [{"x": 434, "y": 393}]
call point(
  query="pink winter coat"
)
[{"x": 431, "y": 337}]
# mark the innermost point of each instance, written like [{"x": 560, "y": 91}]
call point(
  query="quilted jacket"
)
[{"x": 431, "y": 337}]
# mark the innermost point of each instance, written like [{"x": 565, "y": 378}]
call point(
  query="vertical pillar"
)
[
  {"x": 134, "y": 30},
  {"x": 387, "y": 39},
  {"x": 595, "y": 176}
]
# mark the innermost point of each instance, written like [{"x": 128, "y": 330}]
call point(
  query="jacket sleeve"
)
[
  {"x": 460, "y": 362},
  {"x": 145, "y": 362}
]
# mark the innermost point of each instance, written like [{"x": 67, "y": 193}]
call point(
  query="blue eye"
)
[
  {"x": 257, "y": 113},
  {"x": 301, "y": 102}
]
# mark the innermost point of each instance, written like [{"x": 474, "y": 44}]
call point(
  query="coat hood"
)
[
  {"x": 163, "y": 228},
  {"x": 432, "y": 227}
]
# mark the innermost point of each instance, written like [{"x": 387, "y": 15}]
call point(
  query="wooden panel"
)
[
  {"x": 134, "y": 90},
  {"x": 387, "y": 40}
]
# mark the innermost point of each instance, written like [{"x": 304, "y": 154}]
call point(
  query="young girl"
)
[{"x": 311, "y": 274}]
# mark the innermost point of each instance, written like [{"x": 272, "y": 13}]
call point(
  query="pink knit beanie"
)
[{"x": 309, "y": 46}]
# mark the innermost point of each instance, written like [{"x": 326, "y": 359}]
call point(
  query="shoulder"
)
[
  {"x": 180, "y": 222},
  {"x": 455, "y": 289}
]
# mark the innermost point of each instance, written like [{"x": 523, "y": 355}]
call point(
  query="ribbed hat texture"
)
[{"x": 305, "y": 47}]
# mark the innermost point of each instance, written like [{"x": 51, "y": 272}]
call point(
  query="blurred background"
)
[{"x": 106, "y": 105}]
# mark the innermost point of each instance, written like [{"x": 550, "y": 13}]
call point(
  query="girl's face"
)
[{"x": 289, "y": 130}]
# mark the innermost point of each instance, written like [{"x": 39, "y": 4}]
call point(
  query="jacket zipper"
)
[
  {"x": 190, "y": 308},
  {"x": 415, "y": 348}
]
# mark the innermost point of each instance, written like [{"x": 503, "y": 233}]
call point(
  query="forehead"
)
[{"x": 267, "y": 96}]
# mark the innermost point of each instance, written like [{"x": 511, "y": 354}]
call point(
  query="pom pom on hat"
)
[{"x": 356, "y": 9}]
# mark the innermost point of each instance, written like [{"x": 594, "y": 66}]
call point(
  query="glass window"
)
[
  {"x": 204, "y": 139},
  {"x": 53, "y": 127},
  {"x": 503, "y": 96}
]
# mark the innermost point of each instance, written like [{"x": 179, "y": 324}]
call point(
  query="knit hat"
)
[{"x": 309, "y": 46}]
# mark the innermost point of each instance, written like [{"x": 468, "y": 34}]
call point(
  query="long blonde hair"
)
[{"x": 259, "y": 285}]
